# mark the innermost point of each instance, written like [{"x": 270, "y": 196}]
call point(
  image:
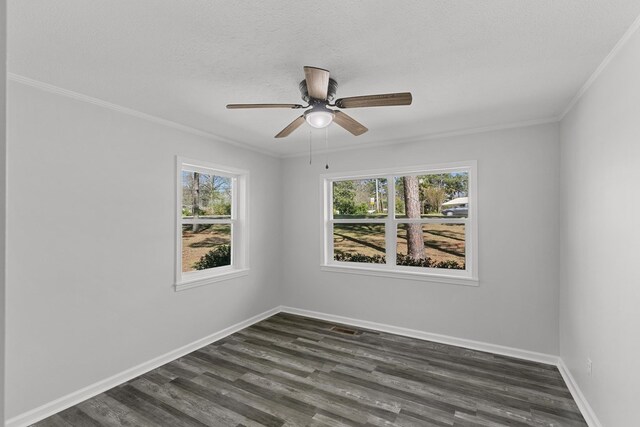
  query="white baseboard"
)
[
  {"x": 78, "y": 396},
  {"x": 428, "y": 336},
  {"x": 586, "y": 409}
]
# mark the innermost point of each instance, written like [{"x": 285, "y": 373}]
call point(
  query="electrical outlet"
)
[{"x": 589, "y": 367}]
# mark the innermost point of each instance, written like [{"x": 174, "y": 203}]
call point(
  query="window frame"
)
[
  {"x": 238, "y": 222},
  {"x": 468, "y": 277}
]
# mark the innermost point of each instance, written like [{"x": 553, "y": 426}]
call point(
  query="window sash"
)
[
  {"x": 189, "y": 275},
  {"x": 391, "y": 194},
  {"x": 391, "y": 242},
  {"x": 234, "y": 191}
]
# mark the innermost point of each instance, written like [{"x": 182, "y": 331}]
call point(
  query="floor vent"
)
[{"x": 344, "y": 330}]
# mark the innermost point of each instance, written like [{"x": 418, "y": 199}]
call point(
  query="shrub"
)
[
  {"x": 449, "y": 264},
  {"x": 428, "y": 262},
  {"x": 215, "y": 258},
  {"x": 349, "y": 207},
  {"x": 222, "y": 209},
  {"x": 216, "y": 209},
  {"x": 413, "y": 262},
  {"x": 348, "y": 257},
  {"x": 400, "y": 260}
]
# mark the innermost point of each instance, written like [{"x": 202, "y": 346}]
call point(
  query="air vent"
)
[{"x": 344, "y": 330}]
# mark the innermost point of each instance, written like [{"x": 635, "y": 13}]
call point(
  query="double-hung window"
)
[
  {"x": 417, "y": 223},
  {"x": 211, "y": 223}
]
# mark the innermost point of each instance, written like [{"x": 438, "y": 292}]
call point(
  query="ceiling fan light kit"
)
[
  {"x": 319, "y": 90},
  {"x": 319, "y": 116}
]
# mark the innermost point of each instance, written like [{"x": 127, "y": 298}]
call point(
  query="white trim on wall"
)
[
  {"x": 429, "y": 137},
  {"x": 586, "y": 409},
  {"x": 85, "y": 393},
  {"x": 47, "y": 87},
  {"x": 428, "y": 336},
  {"x": 549, "y": 359},
  {"x": 603, "y": 65},
  {"x": 131, "y": 112}
]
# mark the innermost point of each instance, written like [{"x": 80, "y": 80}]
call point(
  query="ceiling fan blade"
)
[
  {"x": 349, "y": 123},
  {"x": 317, "y": 82},
  {"x": 383, "y": 100},
  {"x": 237, "y": 106},
  {"x": 291, "y": 127}
]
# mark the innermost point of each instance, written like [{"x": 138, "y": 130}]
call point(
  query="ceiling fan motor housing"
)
[{"x": 331, "y": 91}]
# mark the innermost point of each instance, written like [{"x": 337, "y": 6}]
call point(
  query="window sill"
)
[
  {"x": 406, "y": 275},
  {"x": 203, "y": 281}
]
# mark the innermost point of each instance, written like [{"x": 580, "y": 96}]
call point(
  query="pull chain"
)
[
  {"x": 326, "y": 147},
  {"x": 309, "y": 146}
]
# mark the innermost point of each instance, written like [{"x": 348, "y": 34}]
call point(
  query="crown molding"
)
[
  {"x": 432, "y": 136},
  {"x": 131, "y": 112},
  {"x": 603, "y": 65},
  {"x": 194, "y": 131},
  {"x": 429, "y": 136}
]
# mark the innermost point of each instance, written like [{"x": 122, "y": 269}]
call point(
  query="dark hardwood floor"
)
[{"x": 295, "y": 371}]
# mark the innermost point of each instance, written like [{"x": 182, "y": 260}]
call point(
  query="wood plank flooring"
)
[{"x": 294, "y": 371}]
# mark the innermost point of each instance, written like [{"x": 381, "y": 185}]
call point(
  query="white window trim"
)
[
  {"x": 467, "y": 277},
  {"x": 239, "y": 223}
]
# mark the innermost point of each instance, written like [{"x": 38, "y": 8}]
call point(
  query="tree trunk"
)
[
  {"x": 415, "y": 240},
  {"x": 378, "y": 208},
  {"x": 196, "y": 200}
]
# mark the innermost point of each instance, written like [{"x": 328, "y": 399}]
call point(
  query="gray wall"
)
[
  {"x": 516, "y": 303},
  {"x": 3, "y": 193},
  {"x": 600, "y": 280},
  {"x": 90, "y": 265}
]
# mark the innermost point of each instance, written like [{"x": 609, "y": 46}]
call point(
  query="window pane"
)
[
  {"x": 443, "y": 245},
  {"x": 362, "y": 198},
  {"x": 432, "y": 195},
  {"x": 359, "y": 243},
  {"x": 205, "y": 246},
  {"x": 205, "y": 196}
]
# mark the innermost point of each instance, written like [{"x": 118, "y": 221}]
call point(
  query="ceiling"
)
[{"x": 469, "y": 64}]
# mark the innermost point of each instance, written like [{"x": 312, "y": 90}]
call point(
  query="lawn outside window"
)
[
  {"x": 416, "y": 223},
  {"x": 211, "y": 238}
]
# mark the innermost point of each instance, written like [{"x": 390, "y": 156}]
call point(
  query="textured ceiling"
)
[{"x": 468, "y": 63}]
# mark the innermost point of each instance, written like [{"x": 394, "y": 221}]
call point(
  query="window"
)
[
  {"x": 211, "y": 223},
  {"x": 417, "y": 223}
]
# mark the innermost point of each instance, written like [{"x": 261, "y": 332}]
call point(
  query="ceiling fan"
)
[{"x": 318, "y": 91}]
